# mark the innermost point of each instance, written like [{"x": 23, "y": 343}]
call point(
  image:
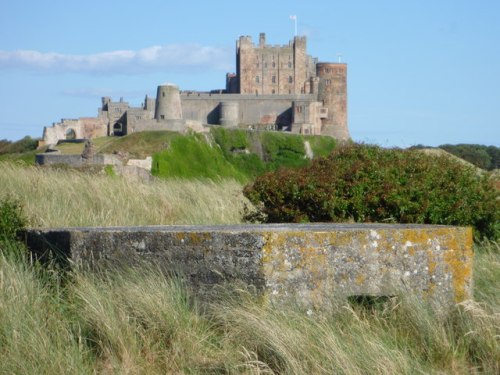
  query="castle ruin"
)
[{"x": 274, "y": 88}]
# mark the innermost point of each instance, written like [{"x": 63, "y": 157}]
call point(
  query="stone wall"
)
[
  {"x": 253, "y": 109},
  {"x": 312, "y": 264},
  {"x": 75, "y": 160}
]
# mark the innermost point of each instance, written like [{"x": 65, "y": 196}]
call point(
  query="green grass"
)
[
  {"x": 192, "y": 156},
  {"x": 141, "y": 321}
]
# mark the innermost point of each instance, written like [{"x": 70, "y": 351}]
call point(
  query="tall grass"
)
[
  {"x": 67, "y": 197},
  {"x": 132, "y": 321}
]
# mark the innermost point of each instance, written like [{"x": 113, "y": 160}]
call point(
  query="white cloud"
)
[{"x": 155, "y": 58}]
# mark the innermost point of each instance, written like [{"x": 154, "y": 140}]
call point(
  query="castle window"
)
[
  {"x": 274, "y": 65},
  {"x": 299, "y": 109},
  {"x": 290, "y": 79},
  {"x": 273, "y": 79},
  {"x": 257, "y": 79},
  {"x": 265, "y": 65},
  {"x": 328, "y": 82},
  {"x": 258, "y": 65},
  {"x": 274, "y": 92},
  {"x": 289, "y": 64}
]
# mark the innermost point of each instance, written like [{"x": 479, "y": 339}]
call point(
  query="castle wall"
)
[
  {"x": 269, "y": 80},
  {"x": 85, "y": 127},
  {"x": 252, "y": 109}
]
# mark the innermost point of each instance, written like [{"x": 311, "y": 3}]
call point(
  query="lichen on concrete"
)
[{"x": 310, "y": 264}]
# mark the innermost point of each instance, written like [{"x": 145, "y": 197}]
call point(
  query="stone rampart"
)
[{"x": 312, "y": 264}]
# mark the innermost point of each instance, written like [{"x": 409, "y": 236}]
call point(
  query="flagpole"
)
[{"x": 294, "y": 18}]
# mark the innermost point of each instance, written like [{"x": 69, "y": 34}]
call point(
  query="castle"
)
[{"x": 274, "y": 88}]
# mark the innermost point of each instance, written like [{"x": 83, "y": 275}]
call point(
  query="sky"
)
[{"x": 419, "y": 72}]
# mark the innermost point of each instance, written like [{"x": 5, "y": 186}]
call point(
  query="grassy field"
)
[
  {"x": 140, "y": 321},
  {"x": 67, "y": 197},
  {"x": 137, "y": 321}
]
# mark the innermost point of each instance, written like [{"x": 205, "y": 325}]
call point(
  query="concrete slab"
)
[{"x": 312, "y": 264}]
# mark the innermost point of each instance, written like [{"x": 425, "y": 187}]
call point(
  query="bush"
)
[
  {"x": 370, "y": 184},
  {"x": 12, "y": 219},
  {"x": 23, "y": 145},
  {"x": 283, "y": 150}
]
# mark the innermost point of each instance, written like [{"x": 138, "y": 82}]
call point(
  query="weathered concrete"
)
[{"x": 307, "y": 263}]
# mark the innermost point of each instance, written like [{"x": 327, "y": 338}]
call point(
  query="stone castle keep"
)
[{"x": 274, "y": 88}]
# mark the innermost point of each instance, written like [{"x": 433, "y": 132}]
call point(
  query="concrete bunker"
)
[{"x": 311, "y": 264}]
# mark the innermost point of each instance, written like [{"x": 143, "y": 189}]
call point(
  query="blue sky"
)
[{"x": 418, "y": 71}]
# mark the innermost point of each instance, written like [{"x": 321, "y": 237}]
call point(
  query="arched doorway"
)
[
  {"x": 70, "y": 134},
  {"x": 118, "y": 129}
]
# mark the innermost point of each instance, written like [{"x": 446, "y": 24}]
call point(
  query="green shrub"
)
[
  {"x": 371, "y": 184},
  {"x": 12, "y": 219},
  {"x": 23, "y": 145},
  {"x": 283, "y": 150}
]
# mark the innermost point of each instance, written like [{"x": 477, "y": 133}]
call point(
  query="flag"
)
[{"x": 293, "y": 18}]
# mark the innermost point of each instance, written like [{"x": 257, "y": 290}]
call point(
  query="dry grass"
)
[
  {"x": 138, "y": 321},
  {"x": 60, "y": 198}
]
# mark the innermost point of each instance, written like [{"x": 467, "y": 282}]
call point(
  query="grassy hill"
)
[{"x": 221, "y": 153}]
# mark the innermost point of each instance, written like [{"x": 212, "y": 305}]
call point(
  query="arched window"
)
[{"x": 290, "y": 79}]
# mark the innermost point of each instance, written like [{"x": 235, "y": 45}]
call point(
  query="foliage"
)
[
  {"x": 23, "y": 150},
  {"x": 283, "y": 150},
  {"x": 370, "y": 184},
  {"x": 23, "y": 145},
  {"x": 140, "y": 321},
  {"x": 12, "y": 219},
  {"x": 485, "y": 157}
]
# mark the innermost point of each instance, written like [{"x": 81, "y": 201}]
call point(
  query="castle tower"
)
[
  {"x": 229, "y": 113},
  {"x": 264, "y": 69},
  {"x": 168, "y": 103},
  {"x": 332, "y": 91}
]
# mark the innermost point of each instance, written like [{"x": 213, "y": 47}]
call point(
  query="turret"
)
[
  {"x": 332, "y": 91},
  {"x": 168, "y": 103}
]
